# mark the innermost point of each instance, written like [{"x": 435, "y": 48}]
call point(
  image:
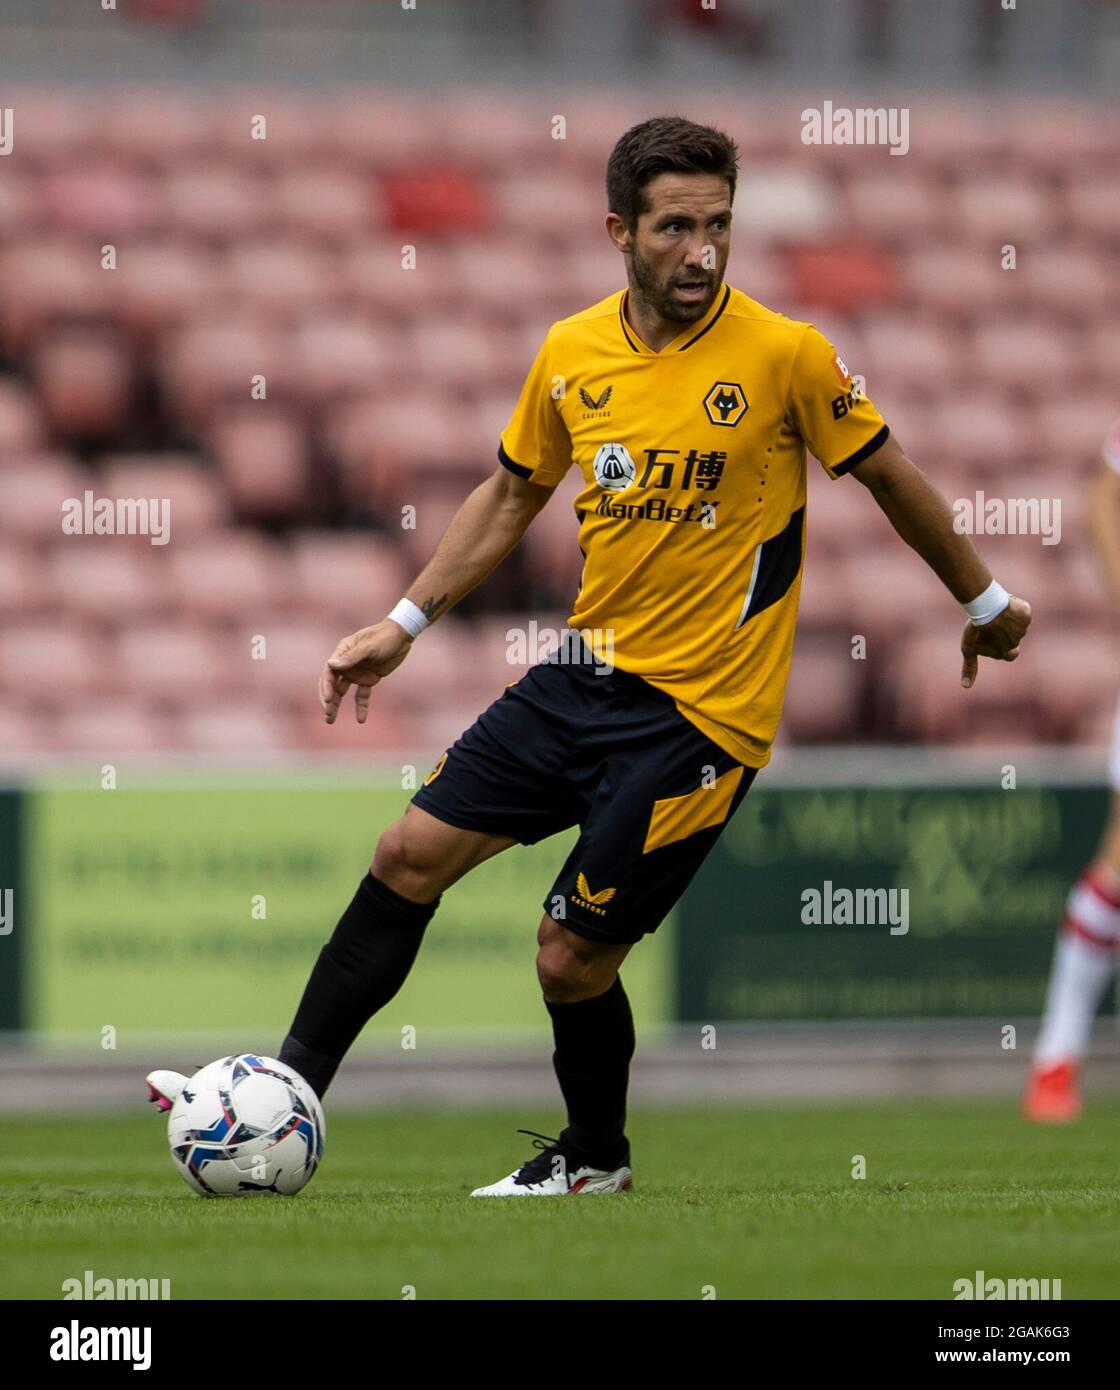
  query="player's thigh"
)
[
  {"x": 419, "y": 856},
  {"x": 572, "y": 967},
  {"x": 660, "y": 811},
  {"x": 1110, "y": 840}
]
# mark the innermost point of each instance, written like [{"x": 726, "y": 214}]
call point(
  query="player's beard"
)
[{"x": 659, "y": 297}]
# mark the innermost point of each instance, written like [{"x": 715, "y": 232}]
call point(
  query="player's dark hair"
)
[{"x": 665, "y": 145}]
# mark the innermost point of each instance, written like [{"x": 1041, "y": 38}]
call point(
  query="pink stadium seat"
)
[
  {"x": 341, "y": 355},
  {"x": 23, "y": 591},
  {"x": 1091, "y": 205},
  {"x": 44, "y": 279},
  {"x": 54, "y": 124},
  {"x": 952, "y": 279},
  {"x": 1078, "y": 669},
  {"x": 75, "y": 653},
  {"x": 105, "y": 199},
  {"x": 281, "y": 277},
  {"x": 298, "y": 127},
  {"x": 385, "y": 730},
  {"x": 897, "y": 208},
  {"x": 20, "y": 205},
  {"x": 1075, "y": 425},
  {"x": 85, "y": 379},
  {"x": 161, "y": 284},
  {"x": 346, "y": 573},
  {"x": 182, "y": 660},
  {"x": 384, "y": 131},
  {"x": 495, "y": 275},
  {"x": 234, "y": 575},
  {"x": 789, "y": 203},
  {"x": 1067, "y": 279},
  {"x": 385, "y": 443},
  {"x": 106, "y": 729},
  {"x": 106, "y": 577},
  {"x": 261, "y": 450},
  {"x": 231, "y": 727},
  {"x": 826, "y": 597},
  {"x": 893, "y": 595},
  {"x": 436, "y": 502},
  {"x": 1010, "y": 351},
  {"x": 929, "y": 702},
  {"x": 21, "y": 420},
  {"x": 154, "y": 128},
  {"x": 375, "y": 279},
  {"x": 984, "y": 210},
  {"x": 35, "y": 491},
  {"x": 294, "y": 651},
  {"x": 221, "y": 204},
  {"x": 460, "y": 353},
  {"x": 23, "y": 731},
  {"x": 218, "y": 360},
  {"x": 978, "y": 434},
  {"x": 824, "y": 692},
  {"x": 333, "y": 205},
  {"x": 197, "y": 497},
  {"x": 549, "y": 208},
  {"x": 910, "y": 354}
]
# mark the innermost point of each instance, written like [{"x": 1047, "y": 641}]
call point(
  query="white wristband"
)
[
  {"x": 410, "y": 617},
  {"x": 988, "y": 605}
]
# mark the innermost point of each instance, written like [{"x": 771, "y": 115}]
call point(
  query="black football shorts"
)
[{"x": 577, "y": 743}]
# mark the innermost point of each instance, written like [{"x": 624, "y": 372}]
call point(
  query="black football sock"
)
[
  {"x": 594, "y": 1045},
  {"x": 359, "y": 970}
]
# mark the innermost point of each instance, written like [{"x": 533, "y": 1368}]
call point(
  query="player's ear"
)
[{"x": 618, "y": 232}]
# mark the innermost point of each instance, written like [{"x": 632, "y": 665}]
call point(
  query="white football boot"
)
[
  {"x": 558, "y": 1171},
  {"x": 165, "y": 1087}
]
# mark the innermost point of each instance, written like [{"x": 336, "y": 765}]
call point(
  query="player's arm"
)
[
  {"x": 924, "y": 520},
  {"x": 479, "y": 536},
  {"x": 1104, "y": 526}
]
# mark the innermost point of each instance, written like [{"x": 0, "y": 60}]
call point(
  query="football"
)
[{"x": 246, "y": 1125}]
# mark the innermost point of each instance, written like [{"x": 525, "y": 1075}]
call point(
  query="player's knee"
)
[
  {"x": 564, "y": 978},
  {"x": 401, "y": 861}
]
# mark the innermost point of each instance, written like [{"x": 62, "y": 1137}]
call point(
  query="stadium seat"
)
[
  {"x": 36, "y": 488},
  {"x": 21, "y": 420},
  {"x": 175, "y": 660},
  {"x": 106, "y": 578},
  {"x": 75, "y": 652},
  {"x": 197, "y": 499},
  {"x": 85, "y": 380},
  {"x": 262, "y": 452},
  {"x": 121, "y": 726},
  {"x": 236, "y": 576},
  {"x": 824, "y": 692}
]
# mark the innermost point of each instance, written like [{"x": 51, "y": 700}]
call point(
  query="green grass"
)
[{"x": 759, "y": 1203}]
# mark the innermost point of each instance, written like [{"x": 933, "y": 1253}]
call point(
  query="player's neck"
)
[{"x": 654, "y": 330}]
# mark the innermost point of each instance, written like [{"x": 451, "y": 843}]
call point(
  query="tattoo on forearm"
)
[{"x": 431, "y": 606}]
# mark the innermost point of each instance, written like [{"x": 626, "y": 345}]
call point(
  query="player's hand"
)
[
  {"x": 998, "y": 639},
  {"x": 360, "y": 660}
]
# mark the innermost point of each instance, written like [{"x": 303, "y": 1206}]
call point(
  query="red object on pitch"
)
[{"x": 1053, "y": 1095}]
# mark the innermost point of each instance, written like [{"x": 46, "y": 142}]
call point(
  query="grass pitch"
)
[{"x": 754, "y": 1203}]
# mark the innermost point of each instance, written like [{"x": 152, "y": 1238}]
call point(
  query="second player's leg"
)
[{"x": 377, "y": 938}]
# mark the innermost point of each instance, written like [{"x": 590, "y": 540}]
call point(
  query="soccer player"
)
[
  {"x": 687, "y": 409},
  {"x": 1085, "y": 953}
]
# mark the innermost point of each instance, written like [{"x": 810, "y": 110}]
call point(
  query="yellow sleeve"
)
[
  {"x": 838, "y": 423},
  {"x": 536, "y": 444}
]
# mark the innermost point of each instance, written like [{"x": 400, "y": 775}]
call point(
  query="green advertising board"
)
[
  {"x": 985, "y": 873},
  {"x": 201, "y": 910}
]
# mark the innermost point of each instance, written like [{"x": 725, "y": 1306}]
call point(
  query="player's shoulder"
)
[
  {"x": 768, "y": 324},
  {"x": 581, "y": 328}
]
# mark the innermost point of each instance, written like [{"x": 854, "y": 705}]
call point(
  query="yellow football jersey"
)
[{"x": 692, "y": 510}]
